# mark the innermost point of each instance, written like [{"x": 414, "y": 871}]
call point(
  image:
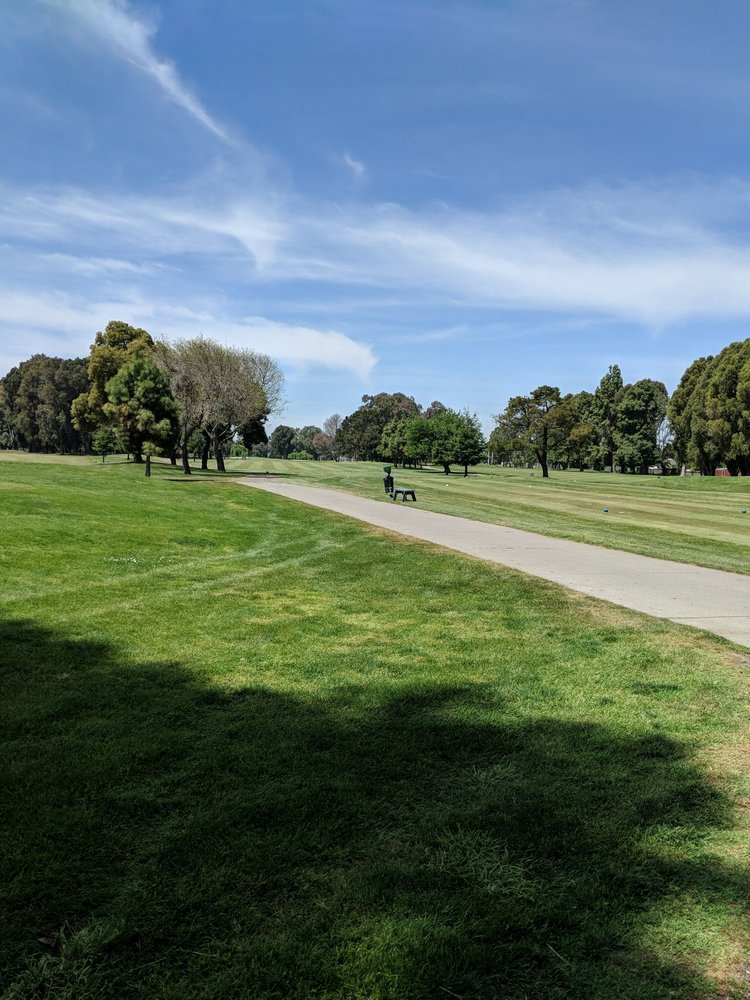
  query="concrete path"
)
[{"x": 691, "y": 595}]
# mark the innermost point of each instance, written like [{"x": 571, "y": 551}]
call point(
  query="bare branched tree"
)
[
  {"x": 180, "y": 362},
  {"x": 219, "y": 389}
]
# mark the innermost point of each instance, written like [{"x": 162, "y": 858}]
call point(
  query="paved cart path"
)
[{"x": 710, "y": 599}]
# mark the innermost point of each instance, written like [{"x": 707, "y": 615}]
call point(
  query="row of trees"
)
[
  {"x": 705, "y": 425},
  {"x": 135, "y": 394},
  {"x": 618, "y": 427},
  {"x": 310, "y": 442},
  {"x": 35, "y": 402},
  {"x": 144, "y": 397},
  {"x": 395, "y": 428}
]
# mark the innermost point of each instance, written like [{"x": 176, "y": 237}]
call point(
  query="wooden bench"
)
[
  {"x": 405, "y": 493},
  {"x": 394, "y": 491}
]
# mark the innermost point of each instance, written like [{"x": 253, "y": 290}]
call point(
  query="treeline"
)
[
  {"x": 142, "y": 397},
  {"x": 306, "y": 443},
  {"x": 620, "y": 427},
  {"x": 631, "y": 428},
  {"x": 196, "y": 397},
  {"x": 391, "y": 427},
  {"x": 617, "y": 427},
  {"x": 35, "y": 402}
]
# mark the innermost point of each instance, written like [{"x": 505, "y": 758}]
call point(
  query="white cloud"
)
[
  {"x": 357, "y": 168},
  {"x": 60, "y": 322},
  {"x": 118, "y": 26},
  {"x": 653, "y": 256}
]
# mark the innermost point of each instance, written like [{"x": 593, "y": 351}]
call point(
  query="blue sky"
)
[{"x": 458, "y": 200}]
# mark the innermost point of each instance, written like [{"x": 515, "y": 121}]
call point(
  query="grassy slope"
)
[
  {"x": 691, "y": 520},
  {"x": 253, "y": 751}
]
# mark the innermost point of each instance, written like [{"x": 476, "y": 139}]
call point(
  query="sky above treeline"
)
[{"x": 457, "y": 200}]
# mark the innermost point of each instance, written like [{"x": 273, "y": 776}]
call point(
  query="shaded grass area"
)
[
  {"x": 254, "y": 750},
  {"x": 695, "y": 520}
]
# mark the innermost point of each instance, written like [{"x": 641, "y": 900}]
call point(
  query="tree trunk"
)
[
  {"x": 172, "y": 456},
  {"x": 185, "y": 458},
  {"x": 466, "y": 470},
  {"x": 446, "y": 468},
  {"x": 205, "y": 452},
  {"x": 148, "y": 465},
  {"x": 542, "y": 459},
  {"x": 218, "y": 454},
  {"x": 137, "y": 458}
]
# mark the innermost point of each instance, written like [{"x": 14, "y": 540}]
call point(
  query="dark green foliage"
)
[
  {"x": 393, "y": 441},
  {"x": 640, "y": 411},
  {"x": 603, "y": 409},
  {"x": 35, "y": 402},
  {"x": 105, "y": 441},
  {"x": 115, "y": 347},
  {"x": 360, "y": 434},
  {"x": 254, "y": 432},
  {"x": 141, "y": 404},
  {"x": 532, "y": 423},
  {"x": 281, "y": 441},
  {"x": 304, "y": 439},
  {"x": 727, "y": 406},
  {"x": 710, "y": 411},
  {"x": 684, "y": 416},
  {"x": 443, "y": 437},
  {"x": 468, "y": 440}
]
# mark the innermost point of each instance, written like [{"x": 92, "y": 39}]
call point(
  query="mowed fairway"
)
[
  {"x": 694, "y": 519},
  {"x": 253, "y": 750}
]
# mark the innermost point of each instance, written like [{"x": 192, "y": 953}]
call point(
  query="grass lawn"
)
[
  {"x": 696, "y": 520},
  {"x": 253, "y": 750}
]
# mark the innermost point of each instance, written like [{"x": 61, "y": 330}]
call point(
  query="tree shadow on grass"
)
[{"x": 187, "y": 841}]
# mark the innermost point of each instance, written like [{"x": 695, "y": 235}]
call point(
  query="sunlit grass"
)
[
  {"x": 696, "y": 520},
  {"x": 255, "y": 750}
]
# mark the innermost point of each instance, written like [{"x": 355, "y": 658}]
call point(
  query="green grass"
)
[
  {"x": 253, "y": 750},
  {"x": 694, "y": 520}
]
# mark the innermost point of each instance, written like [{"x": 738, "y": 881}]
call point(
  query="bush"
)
[{"x": 301, "y": 456}]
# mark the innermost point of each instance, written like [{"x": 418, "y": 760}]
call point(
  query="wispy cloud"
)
[
  {"x": 117, "y": 25},
  {"x": 47, "y": 319},
  {"x": 358, "y": 169},
  {"x": 648, "y": 255}
]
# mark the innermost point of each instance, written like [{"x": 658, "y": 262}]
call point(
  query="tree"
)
[
  {"x": 468, "y": 440},
  {"x": 304, "y": 440},
  {"x": 393, "y": 442},
  {"x": 500, "y": 449},
  {"x": 419, "y": 436},
  {"x": 531, "y": 422},
  {"x": 181, "y": 362},
  {"x": 105, "y": 441},
  {"x": 360, "y": 434},
  {"x": 230, "y": 390},
  {"x": 727, "y": 406},
  {"x": 35, "y": 401},
  {"x": 683, "y": 410},
  {"x": 140, "y": 402},
  {"x": 640, "y": 411},
  {"x": 281, "y": 442},
  {"x": 604, "y": 406},
  {"x": 325, "y": 442},
  {"x": 119, "y": 344},
  {"x": 253, "y": 433},
  {"x": 581, "y": 438}
]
